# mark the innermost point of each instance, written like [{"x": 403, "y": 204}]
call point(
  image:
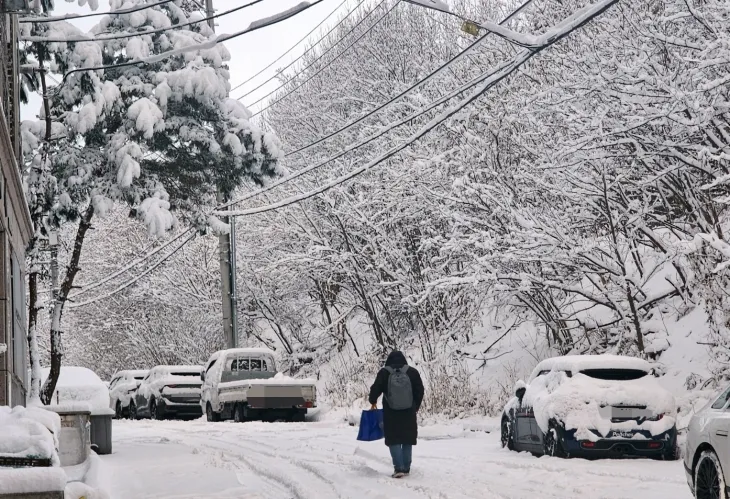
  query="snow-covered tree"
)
[{"x": 156, "y": 135}]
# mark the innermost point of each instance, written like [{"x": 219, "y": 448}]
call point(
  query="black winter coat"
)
[{"x": 400, "y": 427}]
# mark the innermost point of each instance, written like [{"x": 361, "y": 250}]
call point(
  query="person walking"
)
[{"x": 402, "y": 390}]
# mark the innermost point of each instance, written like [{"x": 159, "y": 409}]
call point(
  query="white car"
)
[
  {"x": 707, "y": 452},
  {"x": 592, "y": 406},
  {"x": 122, "y": 388}
]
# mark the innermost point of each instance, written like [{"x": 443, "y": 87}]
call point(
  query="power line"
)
[
  {"x": 135, "y": 279},
  {"x": 128, "y": 267},
  {"x": 409, "y": 89},
  {"x": 325, "y": 66},
  {"x": 53, "y": 19},
  {"x": 254, "y": 26},
  {"x": 120, "y": 36},
  {"x": 489, "y": 79},
  {"x": 382, "y": 131},
  {"x": 294, "y": 46}
]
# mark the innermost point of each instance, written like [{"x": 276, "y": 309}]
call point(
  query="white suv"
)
[{"x": 707, "y": 454}]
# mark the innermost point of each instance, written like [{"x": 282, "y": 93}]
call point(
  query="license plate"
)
[{"x": 627, "y": 413}]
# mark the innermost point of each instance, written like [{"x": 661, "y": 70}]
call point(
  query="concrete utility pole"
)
[{"x": 227, "y": 254}]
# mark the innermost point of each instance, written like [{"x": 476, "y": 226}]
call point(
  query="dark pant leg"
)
[
  {"x": 396, "y": 452},
  {"x": 407, "y": 456}
]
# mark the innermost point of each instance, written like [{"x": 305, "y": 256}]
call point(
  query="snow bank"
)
[
  {"x": 78, "y": 385},
  {"x": 93, "y": 482},
  {"x": 31, "y": 480},
  {"x": 29, "y": 433},
  {"x": 583, "y": 403}
]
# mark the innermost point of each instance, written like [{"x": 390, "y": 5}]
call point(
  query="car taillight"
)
[
  {"x": 658, "y": 417},
  {"x": 308, "y": 404},
  {"x": 171, "y": 386},
  {"x": 588, "y": 445},
  {"x": 655, "y": 445}
]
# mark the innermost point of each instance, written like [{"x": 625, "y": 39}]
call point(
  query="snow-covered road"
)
[{"x": 323, "y": 460}]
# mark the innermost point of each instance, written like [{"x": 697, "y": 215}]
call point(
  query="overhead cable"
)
[
  {"x": 328, "y": 63},
  {"x": 294, "y": 46}
]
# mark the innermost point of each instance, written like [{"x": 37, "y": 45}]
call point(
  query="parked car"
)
[
  {"x": 168, "y": 392},
  {"x": 122, "y": 388},
  {"x": 80, "y": 389},
  {"x": 707, "y": 452},
  {"x": 242, "y": 384},
  {"x": 592, "y": 406}
]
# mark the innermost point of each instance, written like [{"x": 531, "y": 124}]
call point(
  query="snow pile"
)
[
  {"x": 29, "y": 433},
  {"x": 79, "y": 388},
  {"x": 31, "y": 480},
  {"x": 87, "y": 480},
  {"x": 579, "y": 401}
]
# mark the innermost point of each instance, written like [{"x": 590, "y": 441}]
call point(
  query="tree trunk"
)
[
  {"x": 33, "y": 307},
  {"x": 73, "y": 267}
]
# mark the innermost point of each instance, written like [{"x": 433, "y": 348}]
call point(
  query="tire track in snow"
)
[{"x": 298, "y": 487}]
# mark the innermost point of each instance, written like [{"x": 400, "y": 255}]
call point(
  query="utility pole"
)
[{"x": 227, "y": 253}]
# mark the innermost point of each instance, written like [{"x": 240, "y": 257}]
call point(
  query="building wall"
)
[{"x": 15, "y": 227}]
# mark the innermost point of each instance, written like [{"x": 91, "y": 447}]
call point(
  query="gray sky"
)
[{"x": 249, "y": 53}]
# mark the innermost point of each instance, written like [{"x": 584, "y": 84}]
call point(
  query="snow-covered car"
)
[
  {"x": 707, "y": 451},
  {"x": 81, "y": 388},
  {"x": 592, "y": 406},
  {"x": 167, "y": 392},
  {"x": 122, "y": 388},
  {"x": 242, "y": 384}
]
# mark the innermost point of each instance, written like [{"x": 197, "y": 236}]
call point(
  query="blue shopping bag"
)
[{"x": 371, "y": 426}]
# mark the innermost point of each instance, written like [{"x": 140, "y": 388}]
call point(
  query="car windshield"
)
[
  {"x": 185, "y": 374},
  {"x": 615, "y": 374},
  {"x": 139, "y": 377}
]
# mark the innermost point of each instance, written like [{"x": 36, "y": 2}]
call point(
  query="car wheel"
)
[
  {"x": 508, "y": 437},
  {"x": 118, "y": 411},
  {"x": 239, "y": 413},
  {"x": 133, "y": 411},
  {"x": 673, "y": 454},
  {"x": 211, "y": 415},
  {"x": 156, "y": 411},
  {"x": 709, "y": 482},
  {"x": 551, "y": 442}
]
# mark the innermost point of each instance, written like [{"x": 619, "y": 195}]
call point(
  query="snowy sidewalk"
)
[{"x": 322, "y": 460}]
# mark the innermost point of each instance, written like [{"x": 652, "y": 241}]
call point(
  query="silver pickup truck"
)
[{"x": 242, "y": 384}]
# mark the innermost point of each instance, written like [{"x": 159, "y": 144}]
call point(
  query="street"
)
[{"x": 176, "y": 459}]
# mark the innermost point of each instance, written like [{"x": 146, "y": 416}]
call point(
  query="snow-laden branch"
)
[
  {"x": 490, "y": 79},
  {"x": 256, "y": 25},
  {"x": 66, "y": 17}
]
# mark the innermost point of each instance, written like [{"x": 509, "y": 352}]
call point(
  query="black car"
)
[
  {"x": 619, "y": 392},
  {"x": 168, "y": 392}
]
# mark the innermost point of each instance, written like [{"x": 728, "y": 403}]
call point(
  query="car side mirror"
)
[{"x": 202, "y": 376}]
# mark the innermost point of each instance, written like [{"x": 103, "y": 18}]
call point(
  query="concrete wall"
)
[{"x": 15, "y": 227}]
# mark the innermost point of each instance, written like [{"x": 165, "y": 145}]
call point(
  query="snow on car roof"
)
[
  {"x": 577, "y": 363},
  {"x": 74, "y": 376},
  {"x": 253, "y": 350},
  {"x": 182, "y": 369}
]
